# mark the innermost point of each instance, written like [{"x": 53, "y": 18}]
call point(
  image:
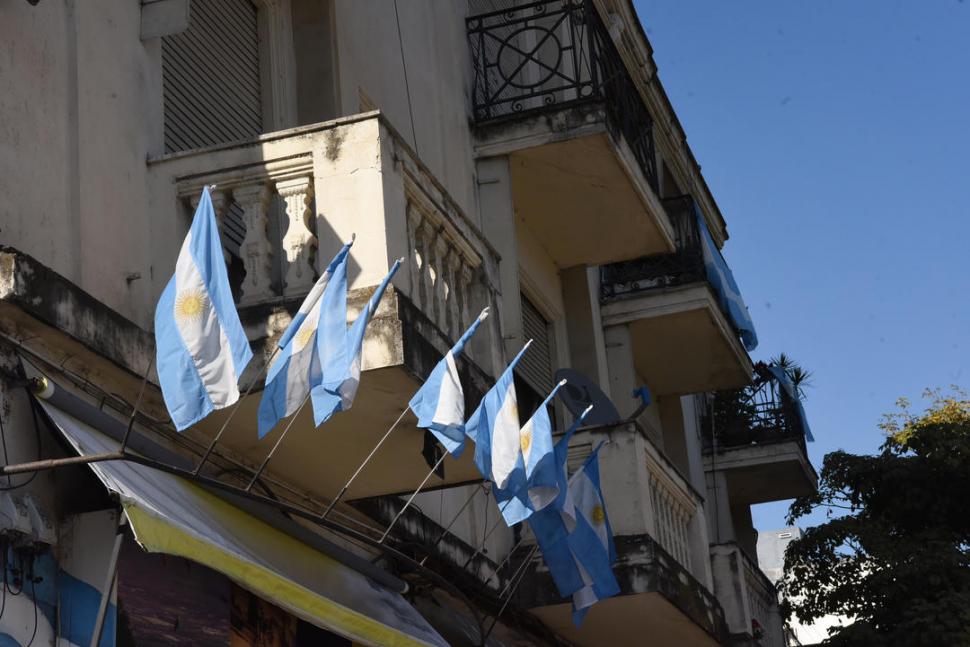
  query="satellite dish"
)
[{"x": 580, "y": 392}]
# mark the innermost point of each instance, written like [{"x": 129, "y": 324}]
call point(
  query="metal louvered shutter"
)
[
  {"x": 211, "y": 76},
  {"x": 536, "y": 365}
]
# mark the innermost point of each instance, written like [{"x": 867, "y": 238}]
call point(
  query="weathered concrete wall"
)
[
  {"x": 437, "y": 66},
  {"x": 80, "y": 110}
]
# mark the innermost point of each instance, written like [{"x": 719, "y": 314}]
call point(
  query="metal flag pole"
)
[
  {"x": 414, "y": 494},
  {"x": 279, "y": 441},
  {"x": 360, "y": 468},
  {"x": 134, "y": 411},
  {"x": 455, "y": 518},
  {"x": 225, "y": 424},
  {"x": 520, "y": 574},
  {"x": 506, "y": 560},
  {"x": 501, "y": 508}
]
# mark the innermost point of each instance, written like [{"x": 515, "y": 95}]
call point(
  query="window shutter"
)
[
  {"x": 536, "y": 365},
  {"x": 211, "y": 76}
]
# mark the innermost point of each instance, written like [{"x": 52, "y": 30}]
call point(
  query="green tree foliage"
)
[{"x": 894, "y": 552}]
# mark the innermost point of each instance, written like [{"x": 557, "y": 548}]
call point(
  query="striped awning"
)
[{"x": 171, "y": 515}]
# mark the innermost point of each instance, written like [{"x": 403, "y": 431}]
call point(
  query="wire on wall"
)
[{"x": 407, "y": 87}]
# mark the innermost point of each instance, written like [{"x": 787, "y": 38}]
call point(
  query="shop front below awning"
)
[{"x": 169, "y": 514}]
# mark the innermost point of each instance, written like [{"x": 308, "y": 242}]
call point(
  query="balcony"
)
[
  {"x": 749, "y": 599},
  {"x": 553, "y": 94},
  {"x": 661, "y": 541},
  {"x": 683, "y": 336},
  {"x": 285, "y": 202},
  {"x": 756, "y": 436}
]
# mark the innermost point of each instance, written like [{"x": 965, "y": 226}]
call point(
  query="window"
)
[
  {"x": 533, "y": 374},
  {"x": 211, "y": 76}
]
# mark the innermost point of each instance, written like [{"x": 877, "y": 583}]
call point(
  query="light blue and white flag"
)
[
  {"x": 494, "y": 427},
  {"x": 297, "y": 367},
  {"x": 591, "y": 540},
  {"x": 533, "y": 483},
  {"x": 722, "y": 280},
  {"x": 440, "y": 402},
  {"x": 341, "y": 368},
  {"x": 200, "y": 345},
  {"x": 786, "y": 384},
  {"x": 549, "y": 525}
]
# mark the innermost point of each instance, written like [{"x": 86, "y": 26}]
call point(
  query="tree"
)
[{"x": 894, "y": 552}]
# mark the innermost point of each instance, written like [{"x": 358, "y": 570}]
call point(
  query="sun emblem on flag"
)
[
  {"x": 303, "y": 337},
  {"x": 598, "y": 515},
  {"x": 190, "y": 305},
  {"x": 525, "y": 439}
]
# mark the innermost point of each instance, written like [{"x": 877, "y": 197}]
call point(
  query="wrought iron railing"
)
[
  {"x": 685, "y": 265},
  {"x": 554, "y": 53},
  {"x": 759, "y": 413}
]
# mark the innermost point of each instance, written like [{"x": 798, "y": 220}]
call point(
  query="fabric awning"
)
[{"x": 171, "y": 515}]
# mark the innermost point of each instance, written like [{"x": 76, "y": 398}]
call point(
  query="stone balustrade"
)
[{"x": 286, "y": 201}]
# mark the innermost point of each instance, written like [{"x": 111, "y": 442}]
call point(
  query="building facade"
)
[{"x": 519, "y": 156}]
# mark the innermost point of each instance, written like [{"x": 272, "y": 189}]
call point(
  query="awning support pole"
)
[
  {"x": 109, "y": 582},
  {"x": 343, "y": 490},
  {"x": 51, "y": 463},
  {"x": 279, "y": 441},
  {"x": 235, "y": 408},
  {"x": 414, "y": 494},
  {"x": 134, "y": 411},
  {"x": 520, "y": 574}
]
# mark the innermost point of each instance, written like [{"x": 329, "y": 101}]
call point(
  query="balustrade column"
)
[
  {"x": 299, "y": 243},
  {"x": 429, "y": 275},
  {"x": 441, "y": 286},
  {"x": 465, "y": 291},
  {"x": 419, "y": 259},
  {"x": 255, "y": 249},
  {"x": 455, "y": 263}
]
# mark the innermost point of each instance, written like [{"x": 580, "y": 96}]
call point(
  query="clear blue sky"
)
[{"x": 835, "y": 137}]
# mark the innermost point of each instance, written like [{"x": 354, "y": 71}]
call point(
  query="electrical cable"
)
[
  {"x": 6, "y": 566},
  {"x": 407, "y": 87}
]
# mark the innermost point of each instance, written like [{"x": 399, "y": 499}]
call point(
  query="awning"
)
[{"x": 171, "y": 515}]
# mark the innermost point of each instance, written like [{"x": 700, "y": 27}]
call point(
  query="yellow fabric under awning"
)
[{"x": 174, "y": 516}]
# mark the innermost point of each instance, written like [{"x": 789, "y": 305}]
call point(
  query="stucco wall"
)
[{"x": 80, "y": 106}]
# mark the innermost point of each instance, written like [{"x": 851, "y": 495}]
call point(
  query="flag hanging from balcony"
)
[
  {"x": 722, "y": 280},
  {"x": 532, "y": 484},
  {"x": 591, "y": 538},
  {"x": 341, "y": 370},
  {"x": 494, "y": 427},
  {"x": 297, "y": 368},
  {"x": 440, "y": 402},
  {"x": 796, "y": 402},
  {"x": 200, "y": 345}
]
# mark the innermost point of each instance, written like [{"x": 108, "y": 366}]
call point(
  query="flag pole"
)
[
  {"x": 506, "y": 560},
  {"x": 279, "y": 441},
  {"x": 501, "y": 508},
  {"x": 453, "y": 520},
  {"x": 134, "y": 411},
  {"x": 520, "y": 574},
  {"x": 360, "y": 468},
  {"x": 414, "y": 494},
  {"x": 232, "y": 413}
]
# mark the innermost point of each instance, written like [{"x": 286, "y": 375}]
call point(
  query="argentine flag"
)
[
  {"x": 440, "y": 402},
  {"x": 533, "y": 483},
  {"x": 494, "y": 427},
  {"x": 297, "y": 368},
  {"x": 549, "y": 525},
  {"x": 341, "y": 367},
  {"x": 722, "y": 280},
  {"x": 200, "y": 345},
  {"x": 591, "y": 539}
]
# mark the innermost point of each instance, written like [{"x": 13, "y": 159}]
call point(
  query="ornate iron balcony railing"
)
[
  {"x": 759, "y": 413},
  {"x": 683, "y": 266},
  {"x": 551, "y": 54}
]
